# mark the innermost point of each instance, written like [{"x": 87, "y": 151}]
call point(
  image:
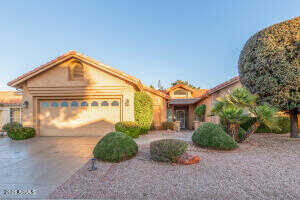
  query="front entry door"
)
[{"x": 180, "y": 116}]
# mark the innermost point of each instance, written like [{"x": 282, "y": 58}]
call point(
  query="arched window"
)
[
  {"x": 64, "y": 104},
  {"x": 104, "y": 103},
  {"x": 77, "y": 70},
  {"x": 74, "y": 104},
  {"x": 84, "y": 104},
  {"x": 54, "y": 104},
  {"x": 45, "y": 105},
  {"x": 180, "y": 92},
  {"x": 94, "y": 103},
  {"x": 115, "y": 103}
]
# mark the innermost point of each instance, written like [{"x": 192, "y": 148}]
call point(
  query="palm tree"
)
[
  {"x": 231, "y": 116},
  {"x": 232, "y": 108}
]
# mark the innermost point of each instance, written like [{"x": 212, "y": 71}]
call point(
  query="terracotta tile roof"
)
[
  {"x": 10, "y": 97},
  {"x": 157, "y": 92},
  {"x": 222, "y": 85},
  {"x": 80, "y": 56},
  {"x": 199, "y": 92}
]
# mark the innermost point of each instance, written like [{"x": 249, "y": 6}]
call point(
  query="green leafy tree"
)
[
  {"x": 269, "y": 66},
  {"x": 200, "y": 112},
  {"x": 184, "y": 83}
]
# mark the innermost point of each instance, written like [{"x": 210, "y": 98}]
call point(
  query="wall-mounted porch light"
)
[
  {"x": 127, "y": 102},
  {"x": 25, "y": 104}
]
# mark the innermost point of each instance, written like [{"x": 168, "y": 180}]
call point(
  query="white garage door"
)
[{"x": 94, "y": 117}]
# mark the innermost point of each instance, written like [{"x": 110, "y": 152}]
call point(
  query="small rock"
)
[{"x": 188, "y": 159}]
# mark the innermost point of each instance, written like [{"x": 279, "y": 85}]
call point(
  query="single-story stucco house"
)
[{"x": 74, "y": 95}]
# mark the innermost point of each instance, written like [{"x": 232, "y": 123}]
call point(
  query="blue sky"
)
[{"x": 198, "y": 41}]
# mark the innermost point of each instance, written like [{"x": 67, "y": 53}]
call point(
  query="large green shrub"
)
[
  {"x": 143, "y": 111},
  {"x": 269, "y": 67},
  {"x": 200, "y": 112},
  {"x": 115, "y": 147},
  {"x": 10, "y": 125},
  {"x": 129, "y": 128},
  {"x": 21, "y": 133},
  {"x": 168, "y": 125},
  {"x": 167, "y": 150},
  {"x": 282, "y": 126},
  {"x": 212, "y": 135}
]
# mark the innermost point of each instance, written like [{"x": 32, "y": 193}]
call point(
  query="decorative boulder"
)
[{"x": 188, "y": 159}]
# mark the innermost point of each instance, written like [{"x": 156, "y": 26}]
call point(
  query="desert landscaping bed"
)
[{"x": 265, "y": 167}]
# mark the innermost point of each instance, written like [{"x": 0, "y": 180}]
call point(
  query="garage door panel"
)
[{"x": 78, "y": 117}]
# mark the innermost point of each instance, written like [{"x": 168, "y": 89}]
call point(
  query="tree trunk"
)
[
  {"x": 294, "y": 124},
  {"x": 234, "y": 131},
  {"x": 227, "y": 126},
  {"x": 250, "y": 131}
]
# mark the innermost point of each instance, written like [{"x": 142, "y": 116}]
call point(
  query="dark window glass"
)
[
  {"x": 74, "y": 104},
  {"x": 115, "y": 103},
  {"x": 45, "y": 105},
  {"x": 64, "y": 104},
  {"x": 84, "y": 104},
  {"x": 54, "y": 104},
  {"x": 104, "y": 103},
  {"x": 94, "y": 103}
]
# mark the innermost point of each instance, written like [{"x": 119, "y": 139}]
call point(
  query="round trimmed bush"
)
[
  {"x": 129, "y": 128},
  {"x": 21, "y": 133},
  {"x": 212, "y": 135},
  {"x": 10, "y": 125},
  {"x": 167, "y": 150},
  {"x": 115, "y": 147}
]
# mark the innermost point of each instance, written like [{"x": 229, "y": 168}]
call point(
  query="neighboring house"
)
[
  {"x": 10, "y": 107},
  {"x": 74, "y": 95}
]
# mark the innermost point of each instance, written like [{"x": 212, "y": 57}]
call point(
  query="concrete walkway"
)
[
  {"x": 185, "y": 135},
  {"x": 40, "y": 164}
]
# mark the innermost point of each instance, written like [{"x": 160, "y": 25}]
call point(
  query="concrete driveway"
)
[{"x": 40, "y": 164}]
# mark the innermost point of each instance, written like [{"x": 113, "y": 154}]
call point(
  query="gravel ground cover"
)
[{"x": 266, "y": 167}]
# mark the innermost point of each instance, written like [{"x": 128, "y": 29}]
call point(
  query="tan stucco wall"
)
[
  {"x": 159, "y": 109},
  {"x": 4, "y": 116},
  {"x": 55, "y": 83},
  {"x": 210, "y": 100}
]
